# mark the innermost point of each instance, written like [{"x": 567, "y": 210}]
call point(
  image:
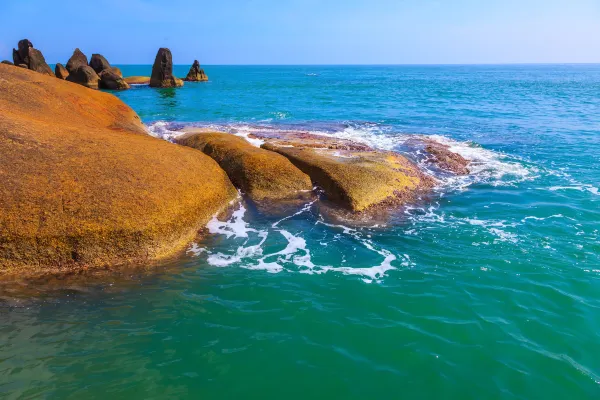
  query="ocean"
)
[{"x": 489, "y": 289}]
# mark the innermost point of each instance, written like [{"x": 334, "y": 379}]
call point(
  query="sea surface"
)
[{"x": 490, "y": 289}]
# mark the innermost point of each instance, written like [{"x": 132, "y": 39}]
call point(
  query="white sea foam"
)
[{"x": 580, "y": 188}]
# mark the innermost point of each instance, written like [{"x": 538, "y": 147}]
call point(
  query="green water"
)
[{"x": 489, "y": 288}]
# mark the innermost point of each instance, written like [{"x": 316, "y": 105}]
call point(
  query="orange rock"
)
[{"x": 83, "y": 186}]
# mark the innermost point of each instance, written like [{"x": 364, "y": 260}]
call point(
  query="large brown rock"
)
[
  {"x": 83, "y": 186},
  {"x": 110, "y": 80},
  {"x": 196, "y": 73},
  {"x": 85, "y": 76},
  {"x": 259, "y": 173},
  {"x": 162, "y": 71},
  {"x": 32, "y": 58},
  {"x": 99, "y": 63},
  {"x": 78, "y": 59},
  {"x": 352, "y": 175},
  {"x": 117, "y": 71},
  {"x": 60, "y": 71}
]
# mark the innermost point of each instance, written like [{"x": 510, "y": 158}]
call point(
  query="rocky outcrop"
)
[
  {"x": 78, "y": 59},
  {"x": 84, "y": 75},
  {"x": 261, "y": 174},
  {"x": 352, "y": 175},
  {"x": 7, "y": 62},
  {"x": 60, "y": 71},
  {"x": 110, "y": 80},
  {"x": 162, "y": 71},
  {"x": 196, "y": 73},
  {"x": 83, "y": 186},
  {"x": 99, "y": 63},
  {"x": 441, "y": 155},
  {"x": 117, "y": 71},
  {"x": 137, "y": 80},
  {"x": 31, "y": 58}
]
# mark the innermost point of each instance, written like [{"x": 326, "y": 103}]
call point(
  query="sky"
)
[{"x": 308, "y": 31}]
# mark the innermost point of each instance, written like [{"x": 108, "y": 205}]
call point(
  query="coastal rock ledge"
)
[{"x": 83, "y": 186}]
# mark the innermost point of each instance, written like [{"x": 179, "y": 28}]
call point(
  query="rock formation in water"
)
[
  {"x": 261, "y": 174},
  {"x": 196, "y": 73},
  {"x": 60, "y": 71},
  {"x": 29, "y": 57},
  {"x": 78, "y": 59},
  {"x": 110, "y": 80},
  {"x": 99, "y": 63},
  {"x": 84, "y": 186},
  {"x": 162, "y": 71},
  {"x": 137, "y": 80},
  {"x": 441, "y": 155},
  {"x": 84, "y": 75}
]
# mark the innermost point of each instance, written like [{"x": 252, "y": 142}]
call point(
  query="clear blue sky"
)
[{"x": 308, "y": 31}]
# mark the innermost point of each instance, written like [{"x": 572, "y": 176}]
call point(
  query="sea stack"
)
[
  {"x": 196, "y": 73},
  {"x": 31, "y": 58},
  {"x": 80, "y": 72},
  {"x": 162, "y": 71},
  {"x": 109, "y": 78}
]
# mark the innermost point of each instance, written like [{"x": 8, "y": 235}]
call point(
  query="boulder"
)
[
  {"x": 85, "y": 76},
  {"x": 117, "y": 71},
  {"x": 78, "y": 59},
  {"x": 7, "y": 62},
  {"x": 110, "y": 80},
  {"x": 261, "y": 174},
  {"x": 352, "y": 175},
  {"x": 60, "y": 71},
  {"x": 137, "y": 80},
  {"x": 37, "y": 62},
  {"x": 162, "y": 71},
  {"x": 196, "y": 73},
  {"x": 99, "y": 63},
  {"x": 31, "y": 58},
  {"x": 84, "y": 187},
  {"x": 22, "y": 66}
]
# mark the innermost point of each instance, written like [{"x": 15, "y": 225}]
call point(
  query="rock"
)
[
  {"x": 60, "y": 71},
  {"x": 441, "y": 155},
  {"x": 37, "y": 62},
  {"x": 31, "y": 58},
  {"x": 352, "y": 175},
  {"x": 110, "y": 80},
  {"x": 83, "y": 186},
  {"x": 78, "y": 59},
  {"x": 261, "y": 174},
  {"x": 137, "y": 80},
  {"x": 162, "y": 71},
  {"x": 117, "y": 71},
  {"x": 21, "y": 56},
  {"x": 7, "y": 62},
  {"x": 22, "y": 66},
  {"x": 99, "y": 63},
  {"x": 196, "y": 74},
  {"x": 85, "y": 76}
]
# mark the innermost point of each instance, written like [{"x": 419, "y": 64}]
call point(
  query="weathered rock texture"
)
[
  {"x": 112, "y": 81},
  {"x": 84, "y": 75},
  {"x": 117, "y": 71},
  {"x": 261, "y": 174},
  {"x": 31, "y": 58},
  {"x": 352, "y": 175},
  {"x": 162, "y": 71},
  {"x": 137, "y": 80},
  {"x": 82, "y": 185},
  {"x": 99, "y": 63},
  {"x": 60, "y": 71},
  {"x": 196, "y": 73},
  {"x": 78, "y": 59},
  {"x": 441, "y": 155}
]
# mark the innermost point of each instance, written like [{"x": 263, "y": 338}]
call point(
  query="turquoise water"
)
[{"x": 489, "y": 290}]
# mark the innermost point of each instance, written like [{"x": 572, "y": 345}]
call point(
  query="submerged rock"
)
[
  {"x": 353, "y": 175},
  {"x": 441, "y": 155},
  {"x": 83, "y": 186},
  {"x": 78, "y": 59},
  {"x": 110, "y": 80},
  {"x": 196, "y": 73},
  {"x": 31, "y": 58},
  {"x": 60, "y": 71},
  {"x": 162, "y": 71},
  {"x": 261, "y": 174},
  {"x": 137, "y": 80},
  {"x": 84, "y": 75}
]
